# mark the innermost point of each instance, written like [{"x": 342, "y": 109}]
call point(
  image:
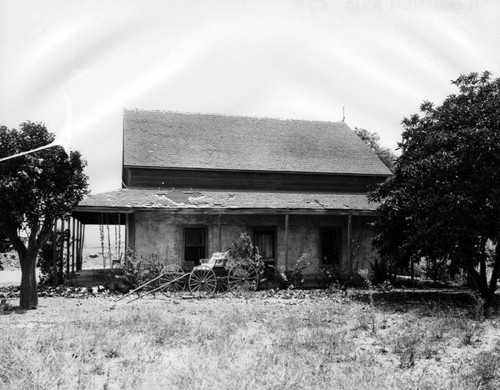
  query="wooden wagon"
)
[{"x": 217, "y": 274}]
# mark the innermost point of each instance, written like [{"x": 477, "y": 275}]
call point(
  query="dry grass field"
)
[{"x": 305, "y": 340}]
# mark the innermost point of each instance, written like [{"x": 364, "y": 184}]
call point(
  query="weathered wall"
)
[
  {"x": 161, "y": 235},
  {"x": 362, "y": 251}
]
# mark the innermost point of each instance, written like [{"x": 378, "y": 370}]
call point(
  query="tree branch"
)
[
  {"x": 11, "y": 233},
  {"x": 45, "y": 232}
]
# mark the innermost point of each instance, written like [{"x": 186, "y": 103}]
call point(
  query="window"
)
[
  {"x": 194, "y": 244},
  {"x": 331, "y": 245},
  {"x": 264, "y": 239}
]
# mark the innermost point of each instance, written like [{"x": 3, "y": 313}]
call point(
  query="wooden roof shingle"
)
[
  {"x": 177, "y": 199},
  {"x": 165, "y": 139}
]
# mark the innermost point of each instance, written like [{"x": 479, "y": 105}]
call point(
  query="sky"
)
[{"x": 75, "y": 65}]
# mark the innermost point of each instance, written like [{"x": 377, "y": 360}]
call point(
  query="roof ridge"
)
[{"x": 229, "y": 116}]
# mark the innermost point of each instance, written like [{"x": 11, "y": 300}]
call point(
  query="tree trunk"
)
[
  {"x": 483, "y": 281},
  {"x": 412, "y": 272},
  {"x": 29, "y": 293},
  {"x": 27, "y": 259},
  {"x": 473, "y": 278},
  {"x": 494, "y": 276}
]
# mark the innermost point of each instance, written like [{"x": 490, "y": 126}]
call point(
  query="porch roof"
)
[{"x": 182, "y": 200}]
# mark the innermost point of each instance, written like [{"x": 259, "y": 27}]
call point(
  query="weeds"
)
[
  {"x": 259, "y": 344},
  {"x": 487, "y": 367},
  {"x": 406, "y": 346},
  {"x": 295, "y": 277},
  {"x": 367, "y": 321},
  {"x": 471, "y": 331}
]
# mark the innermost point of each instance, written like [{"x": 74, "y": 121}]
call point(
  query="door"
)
[
  {"x": 331, "y": 245},
  {"x": 194, "y": 244}
]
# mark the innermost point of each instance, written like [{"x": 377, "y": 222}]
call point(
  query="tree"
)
[
  {"x": 4, "y": 243},
  {"x": 443, "y": 201},
  {"x": 36, "y": 189},
  {"x": 372, "y": 139},
  {"x": 4, "y": 247}
]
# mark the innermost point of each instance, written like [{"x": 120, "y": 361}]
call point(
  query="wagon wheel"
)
[
  {"x": 202, "y": 281},
  {"x": 172, "y": 279},
  {"x": 242, "y": 279},
  {"x": 222, "y": 285}
]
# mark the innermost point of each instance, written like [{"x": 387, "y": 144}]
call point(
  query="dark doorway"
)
[
  {"x": 194, "y": 244},
  {"x": 331, "y": 245}
]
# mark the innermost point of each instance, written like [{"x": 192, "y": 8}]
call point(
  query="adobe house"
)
[{"x": 193, "y": 182}]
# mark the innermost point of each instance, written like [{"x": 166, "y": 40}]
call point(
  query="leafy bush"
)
[
  {"x": 275, "y": 278},
  {"x": 329, "y": 276},
  {"x": 271, "y": 278},
  {"x": 437, "y": 270},
  {"x": 4, "y": 243},
  {"x": 295, "y": 278},
  {"x": 137, "y": 271},
  {"x": 4, "y": 247},
  {"x": 335, "y": 278},
  {"x": 381, "y": 272},
  {"x": 243, "y": 250},
  {"x": 48, "y": 265}
]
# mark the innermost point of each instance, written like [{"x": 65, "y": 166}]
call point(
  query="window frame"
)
[
  {"x": 203, "y": 255},
  {"x": 272, "y": 231}
]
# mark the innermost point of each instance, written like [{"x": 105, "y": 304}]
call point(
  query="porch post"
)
[
  {"x": 68, "y": 244},
  {"x": 220, "y": 232},
  {"x": 79, "y": 247},
  {"x": 78, "y": 241},
  {"x": 82, "y": 242},
  {"x": 61, "y": 255},
  {"x": 349, "y": 239},
  {"x": 125, "y": 258},
  {"x": 73, "y": 243},
  {"x": 131, "y": 232},
  {"x": 54, "y": 243},
  {"x": 286, "y": 242}
]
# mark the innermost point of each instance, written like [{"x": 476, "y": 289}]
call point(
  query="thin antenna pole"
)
[
  {"x": 28, "y": 152},
  {"x": 343, "y": 113}
]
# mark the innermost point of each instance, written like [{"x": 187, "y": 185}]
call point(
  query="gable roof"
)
[{"x": 164, "y": 139}]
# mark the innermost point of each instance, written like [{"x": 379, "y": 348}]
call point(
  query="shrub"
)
[
  {"x": 243, "y": 250},
  {"x": 333, "y": 277},
  {"x": 380, "y": 272},
  {"x": 48, "y": 265},
  {"x": 436, "y": 269},
  {"x": 295, "y": 278},
  {"x": 137, "y": 271},
  {"x": 4, "y": 243},
  {"x": 329, "y": 276}
]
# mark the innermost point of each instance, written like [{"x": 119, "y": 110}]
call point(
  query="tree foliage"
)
[
  {"x": 36, "y": 189},
  {"x": 4, "y": 243},
  {"x": 443, "y": 201},
  {"x": 372, "y": 139}
]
